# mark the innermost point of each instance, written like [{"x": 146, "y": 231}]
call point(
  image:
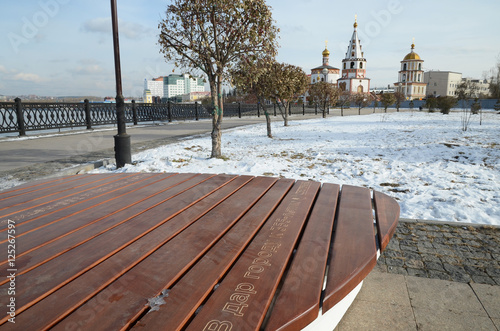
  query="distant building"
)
[
  {"x": 147, "y": 97},
  {"x": 411, "y": 77},
  {"x": 195, "y": 96},
  {"x": 353, "y": 78},
  {"x": 442, "y": 83},
  {"x": 155, "y": 86},
  {"x": 482, "y": 86},
  {"x": 174, "y": 86},
  {"x": 381, "y": 90},
  {"x": 325, "y": 72}
]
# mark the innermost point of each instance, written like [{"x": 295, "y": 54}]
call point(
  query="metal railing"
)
[{"x": 22, "y": 117}]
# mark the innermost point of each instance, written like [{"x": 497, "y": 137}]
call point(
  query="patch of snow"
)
[{"x": 424, "y": 160}]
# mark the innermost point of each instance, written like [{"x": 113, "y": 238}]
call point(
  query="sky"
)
[{"x": 65, "y": 47}]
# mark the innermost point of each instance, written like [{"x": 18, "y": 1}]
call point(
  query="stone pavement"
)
[
  {"x": 395, "y": 302},
  {"x": 432, "y": 276},
  {"x": 449, "y": 251}
]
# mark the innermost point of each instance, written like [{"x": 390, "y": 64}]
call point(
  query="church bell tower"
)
[{"x": 353, "y": 78}]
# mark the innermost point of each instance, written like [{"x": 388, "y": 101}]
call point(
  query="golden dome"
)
[
  {"x": 326, "y": 53},
  {"x": 412, "y": 55}
]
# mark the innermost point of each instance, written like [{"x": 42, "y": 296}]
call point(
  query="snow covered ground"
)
[{"x": 435, "y": 170}]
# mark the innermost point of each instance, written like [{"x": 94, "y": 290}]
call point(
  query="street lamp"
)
[
  {"x": 325, "y": 73},
  {"x": 122, "y": 139}
]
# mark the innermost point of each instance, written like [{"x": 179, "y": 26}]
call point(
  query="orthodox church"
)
[
  {"x": 353, "y": 77},
  {"x": 325, "y": 72},
  {"x": 411, "y": 76}
]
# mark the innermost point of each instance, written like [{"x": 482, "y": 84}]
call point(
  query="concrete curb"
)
[
  {"x": 81, "y": 169},
  {"x": 458, "y": 224}
]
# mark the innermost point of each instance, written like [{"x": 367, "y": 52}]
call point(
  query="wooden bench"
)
[{"x": 188, "y": 251}]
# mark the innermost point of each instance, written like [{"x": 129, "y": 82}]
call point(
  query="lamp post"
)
[
  {"x": 325, "y": 73},
  {"x": 122, "y": 139}
]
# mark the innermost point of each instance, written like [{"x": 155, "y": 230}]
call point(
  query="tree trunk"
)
[
  {"x": 215, "y": 90},
  {"x": 286, "y": 105},
  {"x": 268, "y": 118},
  {"x": 268, "y": 121},
  {"x": 282, "y": 106}
]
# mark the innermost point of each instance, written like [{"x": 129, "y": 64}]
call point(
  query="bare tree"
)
[
  {"x": 387, "y": 99},
  {"x": 465, "y": 92},
  {"x": 375, "y": 103},
  {"x": 495, "y": 81},
  {"x": 344, "y": 100},
  {"x": 287, "y": 84},
  {"x": 360, "y": 100},
  {"x": 213, "y": 36},
  {"x": 399, "y": 98},
  {"x": 324, "y": 95},
  {"x": 253, "y": 77}
]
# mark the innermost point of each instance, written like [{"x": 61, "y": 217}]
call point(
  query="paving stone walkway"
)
[{"x": 460, "y": 253}]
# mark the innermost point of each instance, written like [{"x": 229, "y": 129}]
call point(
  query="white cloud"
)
[
  {"x": 3, "y": 70},
  {"x": 90, "y": 69},
  {"x": 27, "y": 77},
  {"x": 99, "y": 25},
  {"x": 89, "y": 61},
  {"x": 102, "y": 25}
]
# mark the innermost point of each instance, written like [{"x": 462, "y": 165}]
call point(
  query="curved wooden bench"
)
[{"x": 189, "y": 251}]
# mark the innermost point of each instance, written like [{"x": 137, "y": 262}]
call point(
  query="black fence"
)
[{"x": 21, "y": 117}]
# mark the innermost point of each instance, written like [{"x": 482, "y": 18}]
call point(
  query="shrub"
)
[
  {"x": 431, "y": 103},
  {"x": 497, "y": 105},
  {"x": 476, "y": 106},
  {"x": 446, "y": 103}
]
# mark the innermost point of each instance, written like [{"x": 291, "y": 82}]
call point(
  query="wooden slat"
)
[
  {"x": 52, "y": 195},
  {"x": 32, "y": 194},
  {"x": 68, "y": 298},
  {"x": 387, "y": 216},
  {"x": 164, "y": 267},
  {"x": 187, "y": 295},
  {"x": 354, "y": 251},
  {"x": 48, "y": 226},
  {"x": 65, "y": 205},
  {"x": 49, "y": 242},
  {"x": 36, "y": 186},
  {"x": 244, "y": 295},
  {"x": 298, "y": 302},
  {"x": 34, "y": 285}
]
